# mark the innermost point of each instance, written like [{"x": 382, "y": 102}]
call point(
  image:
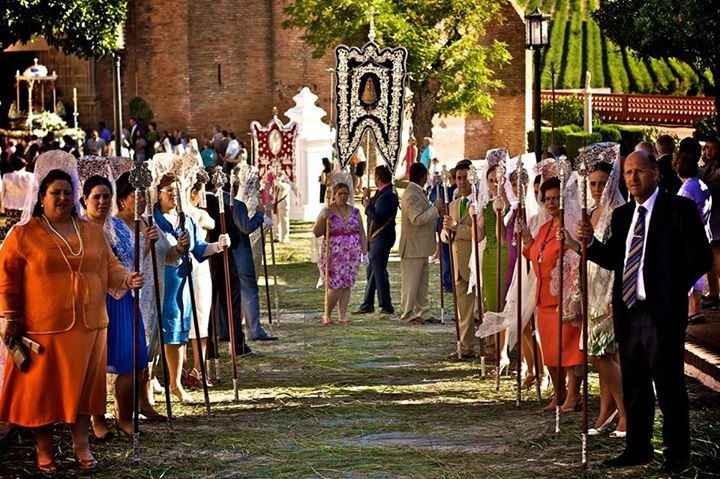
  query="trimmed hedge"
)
[{"x": 573, "y": 137}]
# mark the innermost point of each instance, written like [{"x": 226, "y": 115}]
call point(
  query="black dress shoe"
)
[
  {"x": 244, "y": 351},
  {"x": 266, "y": 338},
  {"x": 364, "y": 311},
  {"x": 675, "y": 465},
  {"x": 628, "y": 460}
]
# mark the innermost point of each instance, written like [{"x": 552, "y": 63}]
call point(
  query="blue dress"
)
[
  {"x": 120, "y": 312},
  {"x": 176, "y": 307}
]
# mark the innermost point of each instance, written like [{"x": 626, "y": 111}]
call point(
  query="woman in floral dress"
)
[{"x": 347, "y": 245}]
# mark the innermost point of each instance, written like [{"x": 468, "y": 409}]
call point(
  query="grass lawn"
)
[{"x": 375, "y": 399}]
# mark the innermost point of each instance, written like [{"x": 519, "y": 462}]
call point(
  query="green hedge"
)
[{"x": 573, "y": 137}]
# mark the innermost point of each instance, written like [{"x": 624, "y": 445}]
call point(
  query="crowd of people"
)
[
  {"x": 478, "y": 222},
  {"x": 636, "y": 329},
  {"x": 72, "y": 229}
]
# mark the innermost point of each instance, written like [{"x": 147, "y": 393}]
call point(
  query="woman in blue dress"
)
[
  {"x": 97, "y": 201},
  {"x": 174, "y": 288}
]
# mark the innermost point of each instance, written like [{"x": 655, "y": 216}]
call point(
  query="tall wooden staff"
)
[
  {"x": 534, "y": 335},
  {"x": 583, "y": 170},
  {"x": 158, "y": 308},
  {"x": 474, "y": 180},
  {"x": 521, "y": 178},
  {"x": 438, "y": 193},
  {"x": 265, "y": 271},
  {"x": 193, "y": 304},
  {"x": 326, "y": 247},
  {"x": 561, "y": 299},
  {"x": 451, "y": 239},
  {"x": 219, "y": 180},
  {"x": 140, "y": 178},
  {"x": 274, "y": 272},
  {"x": 500, "y": 174}
]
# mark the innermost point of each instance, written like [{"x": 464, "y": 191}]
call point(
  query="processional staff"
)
[
  {"x": 521, "y": 179},
  {"x": 265, "y": 270},
  {"x": 438, "y": 193},
  {"x": 559, "y": 161},
  {"x": 219, "y": 180},
  {"x": 140, "y": 178},
  {"x": 451, "y": 239},
  {"x": 584, "y": 171},
  {"x": 500, "y": 175},
  {"x": 193, "y": 303},
  {"x": 158, "y": 304},
  {"x": 474, "y": 181}
]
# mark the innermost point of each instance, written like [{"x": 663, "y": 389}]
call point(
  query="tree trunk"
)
[{"x": 424, "y": 99}]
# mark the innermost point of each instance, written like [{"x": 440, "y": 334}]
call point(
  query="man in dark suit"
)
[
  {"x": 669, "y": 181},
  {"x": 246, "y": 297},
  {"x": 381, "y": 211},
  {"x": 657, "y": 249}
]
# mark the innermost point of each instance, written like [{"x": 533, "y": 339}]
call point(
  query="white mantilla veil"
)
[
  {"x": 45, "y": 163},
  {"x": 495, "y": 322},
  {"x": 599, "y": 279}
]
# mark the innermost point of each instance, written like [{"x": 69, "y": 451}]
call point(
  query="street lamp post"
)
[
  {"x": 117, "y": 90},
  {"x": 536, "y": 38}
]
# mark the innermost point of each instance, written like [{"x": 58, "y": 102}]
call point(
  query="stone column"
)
[{"x": 314, "y": 141}]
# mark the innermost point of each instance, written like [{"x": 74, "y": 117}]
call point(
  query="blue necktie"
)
[{"x": 632, "y": 267}]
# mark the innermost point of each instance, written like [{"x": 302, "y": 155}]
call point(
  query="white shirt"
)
[{"x": 649, "y": 205}]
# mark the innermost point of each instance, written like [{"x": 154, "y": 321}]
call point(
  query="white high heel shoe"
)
[
  {"x": 599, "y": 430},
  {"x": 504, "y": 364}
]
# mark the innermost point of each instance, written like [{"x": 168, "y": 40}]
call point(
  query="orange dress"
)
[
  {"x": 544, "y": 253},
  {"x": 59, "y": 300}
]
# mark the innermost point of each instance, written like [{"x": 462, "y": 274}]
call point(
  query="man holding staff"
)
[{"x": 458, "y": 223}]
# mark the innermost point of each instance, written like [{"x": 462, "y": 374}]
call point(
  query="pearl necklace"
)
[{"x": 62, "y": 238}]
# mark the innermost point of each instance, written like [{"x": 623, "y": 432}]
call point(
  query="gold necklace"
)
[{"x": 62, "y": 238}]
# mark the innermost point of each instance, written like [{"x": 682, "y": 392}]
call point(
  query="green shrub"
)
[
  {"x": 632, "y": 135},
  {"x": 141, "y": 110},
  {"x": 570, "y": 136},
  {"x": 568, "y": 111},
  {"x": 609, "y": 133}
]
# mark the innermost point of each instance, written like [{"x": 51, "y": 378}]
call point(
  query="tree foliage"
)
[
  {"x": 453, "y": 69},
  {"x": 86, "y": 28},
  {"x": 685, "y": 29}
]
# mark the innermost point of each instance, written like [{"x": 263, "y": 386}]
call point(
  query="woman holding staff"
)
[
  {"x": 344, "y": 246},
  {"x": 97, "y": 200},
  {"x": 543, "y": 250},
  {"x": 521, "y": 294},
  {"x": 52, "y": 246},
  {"x": 174, "y": 285},
  {"x": 603, "y": 179}
]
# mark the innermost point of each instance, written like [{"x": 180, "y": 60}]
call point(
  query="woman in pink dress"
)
[{"x": 347, "y": 245}]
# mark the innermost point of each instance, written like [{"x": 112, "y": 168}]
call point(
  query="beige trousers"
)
[
  {"x": 466, "y": 309},
  {"x": 414, "y": 289}
]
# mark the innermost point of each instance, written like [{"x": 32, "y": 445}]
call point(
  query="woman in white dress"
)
[{"x": 201, "y": 273}]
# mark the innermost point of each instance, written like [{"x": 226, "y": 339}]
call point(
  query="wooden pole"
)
[
  {"x": 440, "y": 255},
  {"x": 561, "y": 261},
  {"x": 451, "y": 238},
  {"x": 193, "y": 305},
  {"x": 498, "y": 267},
  {"x": 518, "y": 240},
  {"x": 585, "y": 332},
  {"x": 265, "y": 272},
  {"x": 228, "y": 291},
  {"x": 476, "y": 251},
  {"x": 274, "y": 272},
  {"x": 158, "y": 311},
  {"x": 135, "y": 331},
  {"x": 326, "y": 247}
]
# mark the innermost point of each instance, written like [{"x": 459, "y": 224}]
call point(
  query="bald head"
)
[{"x": 641, "y": 175}]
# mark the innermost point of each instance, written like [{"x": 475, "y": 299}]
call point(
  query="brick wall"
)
[{"x": 174, "y": 49}]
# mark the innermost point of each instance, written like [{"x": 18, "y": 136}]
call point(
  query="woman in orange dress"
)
[
  {"x": 544, "y": 251},
  {"x": 55, "y": 271}
]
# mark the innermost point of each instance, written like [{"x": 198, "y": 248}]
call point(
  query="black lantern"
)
[
  {"x": 536, "y": 34},
  {"x": 536, "y": 39}
]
